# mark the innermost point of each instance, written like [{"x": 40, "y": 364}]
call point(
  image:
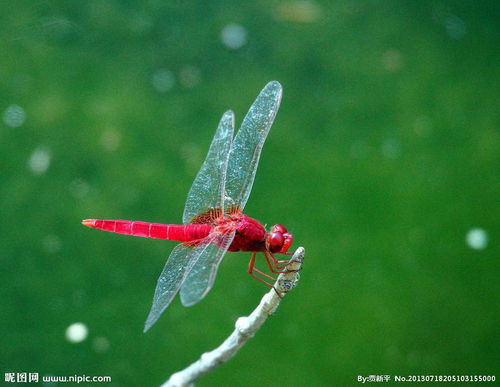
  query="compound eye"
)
[
  {"x": 278, "y": 228},
  {"x": 275, "y": 241}
]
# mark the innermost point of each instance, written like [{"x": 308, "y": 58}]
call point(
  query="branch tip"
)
[{"x": 245, "y": 327}]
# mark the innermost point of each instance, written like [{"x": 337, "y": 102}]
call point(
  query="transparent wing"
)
[
  {"x": 248, "y": 143},
  {"x": 201, "y": 278},
  {"x": 207, "y": 190},
  {"x": 179, "y": 264}
]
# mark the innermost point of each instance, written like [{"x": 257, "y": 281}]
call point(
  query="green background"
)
[{"x": 383, "y": 156}]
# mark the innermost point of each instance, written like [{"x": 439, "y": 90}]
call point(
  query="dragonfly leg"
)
[
  {"x": 252, "y": 270},
  {"x": 285, "y": 261},
  {"x": 272, "y": 262},
  {"x": 264, "y": 274}
]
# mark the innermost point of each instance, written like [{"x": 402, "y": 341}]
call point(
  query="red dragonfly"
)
[{"x": 213, "y": 221}]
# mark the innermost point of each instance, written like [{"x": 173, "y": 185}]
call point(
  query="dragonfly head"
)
[{"x": 278, "y": 240}]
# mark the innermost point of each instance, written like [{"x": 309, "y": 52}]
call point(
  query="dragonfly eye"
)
[
  {"x": 274, "y": 241},
  {"x": 278, "y": 228}
]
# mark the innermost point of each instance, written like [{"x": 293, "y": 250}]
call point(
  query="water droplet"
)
[
  {"x": 39, "y": 160},
  {"x": 76, "y": 332},
  {"x": 14, "y": 116},
  {"x": 234, "y": 36},
  {"x": 477, "y": 238}
]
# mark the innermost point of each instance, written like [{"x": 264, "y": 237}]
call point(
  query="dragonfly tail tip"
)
[{"x": 88, "y": 222}]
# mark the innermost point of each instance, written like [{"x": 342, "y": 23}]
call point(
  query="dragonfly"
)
[{"x": 213, "y": 219}]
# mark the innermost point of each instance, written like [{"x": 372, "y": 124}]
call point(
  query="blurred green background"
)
[{"x": 383, "y": 161}]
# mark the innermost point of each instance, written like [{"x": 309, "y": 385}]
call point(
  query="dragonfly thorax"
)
[{"x": 250, "y": 235}]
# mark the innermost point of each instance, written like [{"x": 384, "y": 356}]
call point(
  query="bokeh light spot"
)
[
  {"x": 477, "y": 239},
  {"x": 14, "y": 116},
  {"x": 100, "y": 344},
  {"x": 163, "y": 80},
  {"x": 51, "y": 244},
  {"x": 39, "y": 160},
  {"x": 234, "y": 36},
  {"x": 192, "y": 156},
  {"x": 77, "y": 332},
  {"x": 391, "y": 148},
  {"x": 455, "y": 27},
  {"x": 110, "y": 139},
  {"x": 301, "y": 11},
  {"x": 392, "y": 60}
]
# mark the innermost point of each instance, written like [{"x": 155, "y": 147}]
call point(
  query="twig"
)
[{"x": 245, "y": 327}]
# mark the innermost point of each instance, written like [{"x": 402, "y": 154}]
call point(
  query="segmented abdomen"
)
[{"x": 173, "y": 232}]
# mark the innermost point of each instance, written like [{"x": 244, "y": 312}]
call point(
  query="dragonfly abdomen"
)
[{"x": 173, "y": 232}]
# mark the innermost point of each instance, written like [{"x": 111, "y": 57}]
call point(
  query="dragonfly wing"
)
[
  {"x": 179, "y": 264},
  {"x": 201, "y": 278},
  {"x": 207, "y": 190},
  {"x": 248, "y": 143}
]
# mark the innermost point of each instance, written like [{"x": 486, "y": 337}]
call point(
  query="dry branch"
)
[{"x": 245, "y": 327}]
